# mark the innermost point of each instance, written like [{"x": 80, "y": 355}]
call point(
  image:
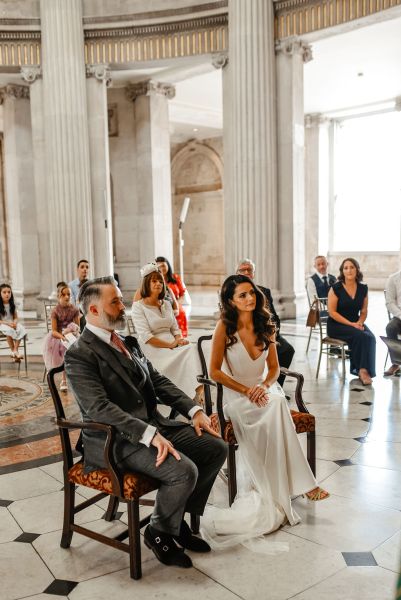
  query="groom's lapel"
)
[{"x": 106, "y": 352}]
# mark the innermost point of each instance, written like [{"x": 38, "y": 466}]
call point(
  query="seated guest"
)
[
  {"x": 285, "y": 351},
  {"x": 160, "y": 337},
  {"x": 169, "y": 297},
  {"x": 348, "y": 308},
  {"x": 319, "y": 283},
  {"x": 393, "y": 303},
  {"x": 9, "y": 325},
  {"x": 82, "y": 276},
  {"x": 114, "y": 384},
  {"x": 174, "y": 284}
]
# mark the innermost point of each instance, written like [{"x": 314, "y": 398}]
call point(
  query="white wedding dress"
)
[{"x": 271, "y": 466}]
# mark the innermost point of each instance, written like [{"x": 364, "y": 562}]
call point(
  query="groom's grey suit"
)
[{"x": 120, "y": 391}]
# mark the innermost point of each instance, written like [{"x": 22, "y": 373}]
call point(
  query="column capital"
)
[
  {"x": 14, "y": 91},
  {"x": 101, "y": 73},
  {"x": 315, "y": 119},
  {"x": 292, "y": 46},
  {"x": 220, "y": 60},
  {"x": 149, "y": 88},
  {"x": 31, "y": 73}
]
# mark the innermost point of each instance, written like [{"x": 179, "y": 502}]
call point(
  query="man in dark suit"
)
[
  {"x": 115, "y": 384},
  {"x": 319, "y": 284},
  {"x": 285, "y": 351}
]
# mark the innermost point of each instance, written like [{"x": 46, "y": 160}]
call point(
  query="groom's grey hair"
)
[{"x": 91, "y": 291}]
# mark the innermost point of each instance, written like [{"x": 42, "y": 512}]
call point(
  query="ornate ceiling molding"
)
[
  {"x": 31, "y": 73},
  {"x": 293, "y": 46},
  {"x": 298, "y": 17},
  {"x": 149, "y": 88},
  {"x": 100, "y": 72}
]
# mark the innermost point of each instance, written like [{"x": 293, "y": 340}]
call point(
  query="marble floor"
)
[{"x": 347, "y": 547}]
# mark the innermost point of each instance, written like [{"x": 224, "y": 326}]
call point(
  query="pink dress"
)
[{"x": 53, "y": 348}]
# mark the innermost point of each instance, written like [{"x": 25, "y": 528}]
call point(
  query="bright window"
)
[{"x": 367, "y": 181}]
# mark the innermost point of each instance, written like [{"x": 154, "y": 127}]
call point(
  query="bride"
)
[{"x": 244, "y": 360}]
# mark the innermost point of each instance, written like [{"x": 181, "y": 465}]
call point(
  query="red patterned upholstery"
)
[
  {"x": 304, "y": 423},
  {"x": 135, "y": 486}
]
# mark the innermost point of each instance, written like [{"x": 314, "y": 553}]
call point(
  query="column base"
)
[
  {"x": 291, "y": 305},
  {"x": 25, "y": 300}
]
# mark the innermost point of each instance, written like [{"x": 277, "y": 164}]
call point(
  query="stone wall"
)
[
  {"x": 197, "y": 173},
  {"x": 375, "y": 266}
]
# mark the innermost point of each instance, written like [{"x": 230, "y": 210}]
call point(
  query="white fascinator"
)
[{"x": 149, "y": 268}]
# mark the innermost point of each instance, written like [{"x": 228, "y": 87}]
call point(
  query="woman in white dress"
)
[
  {"x": 244, "y": 360},
  {"x": 159, "y": 335}
]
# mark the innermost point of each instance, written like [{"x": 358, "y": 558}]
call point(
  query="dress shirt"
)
[
  {"x": 150, "y": 431},
  {"x": 74, "y": 287},
  {"x": 393, "y": 294}
]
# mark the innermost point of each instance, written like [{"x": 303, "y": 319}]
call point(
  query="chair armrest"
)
[
  {"x": 298, "y": 388},
  {"x": 116, "y": 480},
  {"x": 206, "y": 381}
]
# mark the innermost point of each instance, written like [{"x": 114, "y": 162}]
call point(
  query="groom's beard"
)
[{"x": 109, "y": 322}]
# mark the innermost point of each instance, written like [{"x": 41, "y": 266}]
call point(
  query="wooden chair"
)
[
  {"x": 329, "y": 344},
  {"x": 3, "y": 339},
  {"x": 48, "y": 306},
  {"x": 304, "y": 422},
  {"x": 109, "y": 482}
]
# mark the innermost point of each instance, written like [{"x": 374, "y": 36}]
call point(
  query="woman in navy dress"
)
[{"x": 348, "y": 308}]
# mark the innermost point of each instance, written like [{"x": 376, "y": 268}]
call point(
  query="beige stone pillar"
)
[
  {"x": 291, "y": 55},
  {"x": 33, "y": 76},
  {"x": 98, "y": 80},
  {"x": 250, "y": 139},
  {"x": 19, "y": 188},
  {"x": 153, "y": 167},
  {"x": 316, "y": 188},
  {"x": 66, "y": 137}
]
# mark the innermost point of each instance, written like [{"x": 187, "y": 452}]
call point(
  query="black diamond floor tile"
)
[
  {"x": 361, "y": 440},
  {"x": 366, "y": 403},
  {"x": 344, "y": 463},
  {"x": 60, "y": 587},
  {"x": 359, "y": 559},
  {"x": 6, "y": 502},
  {"x": 27, "y": 538},
  {"x": 368, "y": 419}
]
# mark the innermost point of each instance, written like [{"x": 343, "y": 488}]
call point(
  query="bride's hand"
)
[{"x": 258, "y": 395}]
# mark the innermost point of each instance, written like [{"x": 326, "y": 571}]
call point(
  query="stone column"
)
[
  {"x": 291, "y": 55},
  {"x": 20, "y": 204},
  {"x": 98, "y": 80},
  {"x": 153, "y": 167},
  {"x": 66, "y": 137},
  {"x": 33, "y": 76},
  {"x": 250, "y": 140},
  {"x": 316, "y": 188}
]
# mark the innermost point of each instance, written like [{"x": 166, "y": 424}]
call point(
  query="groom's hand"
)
[
  {"x": 164, "y": 448},
  {"x": 201, "y": 422}
]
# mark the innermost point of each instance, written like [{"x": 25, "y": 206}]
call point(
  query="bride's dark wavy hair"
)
[{"x": 262, "y": 323}]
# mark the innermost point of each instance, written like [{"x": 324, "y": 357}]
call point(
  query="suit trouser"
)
[
  {"x": 393, "y": 328},
  {"x": 185, "y": 485},
  {"x": 285, "y": 353}
]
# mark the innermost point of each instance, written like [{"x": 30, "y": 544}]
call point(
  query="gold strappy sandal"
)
[{"x": 316, "y": 494}]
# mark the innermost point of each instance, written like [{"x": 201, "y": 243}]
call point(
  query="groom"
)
[{"x": 115, "y": 384}]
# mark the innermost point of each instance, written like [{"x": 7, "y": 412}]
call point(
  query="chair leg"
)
[
  {"x": 69, "y": 504},
  {"x": 343, "y": 360},
  {"x": 135, "y": 566},
  {"x": 44, "y": 374},
  {"x": 25, "y": 360},
  {"x": 195, "y": 523},
  {"x": 232, "y": 474},
  {"x": 385, "y": 362},
  {"x": 310, "y": 335},
  {"x": 311, "y": 450},
  {"x": 112, "y": 508},
  {"x": 318, "y": 362}
]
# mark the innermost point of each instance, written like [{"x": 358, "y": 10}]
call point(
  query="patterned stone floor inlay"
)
[{"x": 18, "y": 395}]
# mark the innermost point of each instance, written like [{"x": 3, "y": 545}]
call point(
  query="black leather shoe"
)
[
  {"x": 187, "y": 540},
  {"x": 165, "y": 549}
]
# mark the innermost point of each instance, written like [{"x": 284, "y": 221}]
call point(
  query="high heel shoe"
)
[{"x": 317, "y": 494}]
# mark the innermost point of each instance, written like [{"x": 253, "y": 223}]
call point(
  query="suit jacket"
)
[
  {"x": 270, "y": 307},
  {"x": 110, "y": 388}
]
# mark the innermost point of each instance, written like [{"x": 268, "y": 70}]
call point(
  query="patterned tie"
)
[{"x": 117, "y": 341}]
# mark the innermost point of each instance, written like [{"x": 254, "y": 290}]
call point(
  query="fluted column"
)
[
  {"x": 33, "y": 76},
  {"x": 66, "y": 136},
  {"x": 153, "y": 167},
  {"x": 291, "y": 55},
  {"x": 98, "y": 80},
  {"x": 22, "y": 237},
  {"x": 316, "y": 188},
  {"x": 250, "y": 139}
]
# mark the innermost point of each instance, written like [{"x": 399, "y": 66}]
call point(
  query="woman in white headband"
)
[{"x": 160, "y": 337}]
